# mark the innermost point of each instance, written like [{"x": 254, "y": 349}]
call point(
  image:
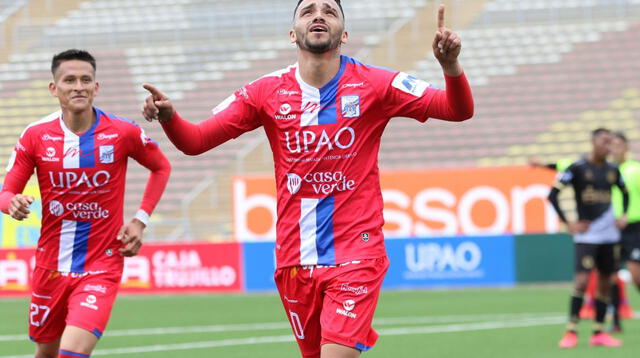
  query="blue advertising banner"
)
[
  {"x": 451, "y": 262},
  {"x": 415, "y": 263},
  {"x": 259, "y": 265}
]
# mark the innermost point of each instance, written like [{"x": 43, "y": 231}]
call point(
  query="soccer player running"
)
[
  {"x": 324, "y": 117},
  {"x": 80, "y": 154},
  {"x": 595, "y": 233}
]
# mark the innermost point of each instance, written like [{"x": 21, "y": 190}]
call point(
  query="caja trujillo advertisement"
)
[{"x": 158, "y": 268}]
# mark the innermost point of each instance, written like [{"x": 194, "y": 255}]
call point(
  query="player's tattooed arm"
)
[{"x": 446, "y": 47}]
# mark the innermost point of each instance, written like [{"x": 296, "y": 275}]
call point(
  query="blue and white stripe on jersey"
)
[
  {"x": 316, "y": 232},
  {"x": 79, "y": 151},
  {"x": 319, "y": 105},
  {"x": 74, "y": 241}
]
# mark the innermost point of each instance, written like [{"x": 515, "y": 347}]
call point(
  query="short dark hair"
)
[
  {"x": 621, "y": 135},
  {"x": 72, "y": 54},
  {"x": 599, "y": 131},
  {"x": 300, "y": 1}
]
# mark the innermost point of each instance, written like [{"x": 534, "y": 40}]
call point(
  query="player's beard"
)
[{"x": 319, "y": 47}]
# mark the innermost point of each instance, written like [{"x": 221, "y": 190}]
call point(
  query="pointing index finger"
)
[
  {"x": 154, "y": 91},
  {"x": 441, "y": 16}
]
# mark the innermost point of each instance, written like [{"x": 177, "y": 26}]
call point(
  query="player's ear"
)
[
  {"x": 345, "y": 37},
  {"x": 53, "y": 89},
  {"x": 292, "y": 36},
  {"x": 97, "y": 88}
]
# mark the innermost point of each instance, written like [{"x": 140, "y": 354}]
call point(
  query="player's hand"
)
[
  {"x": 622, "y": 222},
  {"x": 446, "y": 47},
  {"x": 157, "y": 106},
  {"x": 19, "y": 206},
  {"x": 131, "y": 237},
  {"x": 578, "y": 227}
]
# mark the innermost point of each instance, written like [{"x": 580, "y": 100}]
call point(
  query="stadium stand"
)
[
  {"x": 531, "y": 76},
  {"x": 170, "y": 46}
]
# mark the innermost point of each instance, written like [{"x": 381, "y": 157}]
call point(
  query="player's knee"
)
[
  {"x": 47, "y": 350},
  {"x": 46, "y": 354}
]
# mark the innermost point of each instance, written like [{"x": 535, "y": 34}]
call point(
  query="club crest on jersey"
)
[
  {"x": 350, "y": 106},
  {"x": 293, "y": 183},
  {"x": 106, "y": 154},
  {"x": 56, "y": 208},
  {"x": 410, "y": 84}
]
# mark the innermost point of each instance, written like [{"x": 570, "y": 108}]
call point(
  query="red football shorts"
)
[
  {"x": 80, "y": 300},
  {"x": 332, "y": 304}
]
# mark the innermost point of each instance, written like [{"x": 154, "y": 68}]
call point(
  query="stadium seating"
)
[
  {"x": 535, "y": 81},
  {"x": 8, "y": 7},
  {"x": 171, "y": 46}
]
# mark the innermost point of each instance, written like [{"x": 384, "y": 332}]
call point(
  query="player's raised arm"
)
[{"x": 446, "y": 47}]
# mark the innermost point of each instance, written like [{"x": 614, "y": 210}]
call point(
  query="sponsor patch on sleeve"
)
[{"x": 410, "y": 84}]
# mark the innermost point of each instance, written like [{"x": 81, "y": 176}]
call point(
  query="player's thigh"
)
[
  {"x": 585, "y": 257},
  {"x": 302, "y": 303},
  {"x": 91, "y": 301},
  {"x": 350, "y": 302},
  {"x": 48, "y": 306},
  {"x": 607, "y": 259}
]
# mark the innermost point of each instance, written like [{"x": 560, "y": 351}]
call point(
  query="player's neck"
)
[
  {"x": 318, "y": 69},
  {"x": 78, "y": 122},
  {"x": 594, "y": 159}
]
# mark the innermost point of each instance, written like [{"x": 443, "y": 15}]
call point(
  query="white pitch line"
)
[
  {"x": 243, "y": 327},
  {"x": 399, "y": 331}
]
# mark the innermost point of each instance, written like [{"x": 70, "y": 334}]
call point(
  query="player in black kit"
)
[{"x": 595, "y": 233}]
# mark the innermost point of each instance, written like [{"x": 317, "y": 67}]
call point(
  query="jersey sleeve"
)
[
  {"x": 19, "y": 170},
  {"x": 147, "y": 152},
  {"x": 232, "y": 117},
  {"x": 565, "y": 177},
  {"x": 404, "y": 95}
]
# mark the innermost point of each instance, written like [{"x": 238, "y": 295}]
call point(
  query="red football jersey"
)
[
  {"x": 325, "y": 146},
  {"x": 82, "y": 183}
]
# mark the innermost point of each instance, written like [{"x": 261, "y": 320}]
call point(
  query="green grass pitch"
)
[{"x": 512, "y": 322}]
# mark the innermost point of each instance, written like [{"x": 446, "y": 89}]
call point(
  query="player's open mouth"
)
[{"x": 318, "y": 28}]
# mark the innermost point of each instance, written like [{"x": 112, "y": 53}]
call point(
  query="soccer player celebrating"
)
[
  {"x": 324, "y": 117},
  {"x": 80, "y": 154},
  {"x": 595, "y": 233}
]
